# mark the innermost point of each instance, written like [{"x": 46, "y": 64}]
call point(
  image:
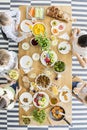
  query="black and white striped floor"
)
[{"x": 9, "y": 119}]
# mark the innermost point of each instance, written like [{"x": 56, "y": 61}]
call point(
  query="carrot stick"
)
[{"x": 32, "y": 12}]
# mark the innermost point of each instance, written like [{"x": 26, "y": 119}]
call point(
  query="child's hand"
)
[
  {"x": 76, "y": 31},
  {"x": 28, "y": 34},
  {"x": 13, "y": 82},
  {"x": 16, "y": 27},
  {"x": 85, "y": 59}
]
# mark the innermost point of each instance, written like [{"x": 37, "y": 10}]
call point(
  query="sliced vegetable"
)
[{"x": 32, "y": 12}]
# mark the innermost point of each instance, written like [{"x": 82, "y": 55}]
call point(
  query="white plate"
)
[
  {"x": 47, "y": 98},
  {"x": 25, "y": 46},
  {"x": 43, "y": 57},
  {"x": 69, "y": 95},
  {"x": 56, "y": 21},
  {"x": 26, "y": 95},
  {"x": 25, "y": 27},
  {"x": 64, "y": 45},
  {"x": 26, "y": 61},
  {"x": 61, "y": 24}
]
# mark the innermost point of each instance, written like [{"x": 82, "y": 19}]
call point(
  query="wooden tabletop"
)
[{"x": 66, "y": 78}]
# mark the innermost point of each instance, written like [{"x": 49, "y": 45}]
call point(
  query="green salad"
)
[
  {"x": 43, "y": 41},
  {"x": 59, "y": 66},
  {"x": 39, "y": 115}
]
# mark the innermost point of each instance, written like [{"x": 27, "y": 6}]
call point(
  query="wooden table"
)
[{"x": 39, "y": 68}]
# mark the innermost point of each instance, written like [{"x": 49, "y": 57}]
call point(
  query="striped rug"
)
[{"x": 9, "y": 119}]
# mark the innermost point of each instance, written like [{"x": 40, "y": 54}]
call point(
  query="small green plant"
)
[{"x": 43, "y": 41}]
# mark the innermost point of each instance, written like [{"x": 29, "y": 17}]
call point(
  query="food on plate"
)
[
  {"x": 53, "y": 37},
  {"x": 14, "y": 74},
  {"x": 39, "y": 115},
  {"x": 39, "y": 12},
  {"x": 61, "y": 27},
  {"x": 65, "y": 94},
  {"x": 57, "y": 13},
  {"x": 43, "y": 41},
  {"x": 25, "y": 98},
  {"x": 54, "y": 89},
  {"x": 55, "y": 42},
  {"x": 26, "y": 26},
  {"x": 64, "y": 36},
  {"x": 25, "y": 79},
  {"x": 35, "y": 56},
  {"x": 35, "y": 12},
  {"x": 53, "y": 101},
  {"x": 41, "y": 100},
  {"x": 54, "y": 23},
  {"x": 26, "y": 120},
  {"x": 26, "y": 61},
  {"x": 38, "y": 28},
  {"x": 34, "y": 87},
  {"x": 54, "y": 31},
  {"x": 48, "y": 58},
  {"x": 59, "y": 66},
  {"x": 64, "y": 47},
  {"x": 55, "y": 111},
  {"x": 43, "y": 81},
  {"x": 32, "y": 12},
  {"x": 33, "y": 42},
  {"x": 27, "y": 23},
  {"x": 26, "y": 82},
  {"x": 25, "y": 46}
]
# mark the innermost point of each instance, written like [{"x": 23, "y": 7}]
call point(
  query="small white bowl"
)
[
  {"x": 54, "y": 21},
  {"x": 52, "y": 31},
  {"x": 25, "y": 46},
  {"x": 36, "y": 56},
  {"x": 63, "y": 25}
]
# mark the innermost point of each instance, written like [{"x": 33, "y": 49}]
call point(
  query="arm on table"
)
[
  {"x": 81, "y": 60},
  {"x": 16, "y": 13},
  {"x": 15, "y": 38}
]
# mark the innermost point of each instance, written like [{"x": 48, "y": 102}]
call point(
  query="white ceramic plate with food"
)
[
  {"x": 54, "y": 23},
  {"x": 26, "y": 61},
  {"x": 25, "y": 26},
  {"x": 64, "y": 47},
  {"x": 54, "y": 31},
  {"x": 26, "y": 98},
  {"x": 41, "y": 100},
  {"x": 61, "y": 27},
  {"x": 25, "y": 46},
  {"x": 43, "y": 81},
  {"x": 65, "y": 94},
  {"x": 38, "y": 28},
  {"x": 48, "y": 58}
]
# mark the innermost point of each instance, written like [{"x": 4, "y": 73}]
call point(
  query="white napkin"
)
[{"x": 26, "y": 70}]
